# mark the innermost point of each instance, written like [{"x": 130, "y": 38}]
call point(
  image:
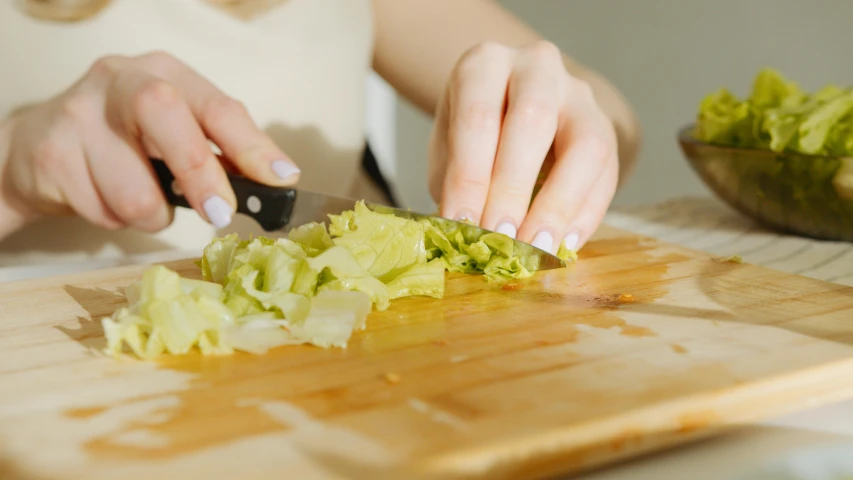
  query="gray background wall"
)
[{"x": 665, "y": 55}]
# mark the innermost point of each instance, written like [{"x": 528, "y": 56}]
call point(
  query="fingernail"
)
[
  {"x": 507, "y": 229},
  {"x": 218, "y": 211},
  {"x": 571, "y": 241},
  {"x": 285, "y": 169},
  {"x": 543, "y": 241}
]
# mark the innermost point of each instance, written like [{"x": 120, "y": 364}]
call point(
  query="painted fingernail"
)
[
  {"x": 571, "y": 241},
  {"x": 507, "y": 229},
  {"x": 543, "y": 241},
  {"x": 218, "y": 211},
  {"x": 285, "y": 170}
]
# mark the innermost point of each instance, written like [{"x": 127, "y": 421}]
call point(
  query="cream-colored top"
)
[{"x": 300, "y": 69}]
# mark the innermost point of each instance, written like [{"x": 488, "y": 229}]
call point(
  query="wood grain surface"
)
[{"x": 639, "y": 346}]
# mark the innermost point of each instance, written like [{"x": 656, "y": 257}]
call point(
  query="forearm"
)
[{"x": 418, "y": 43}]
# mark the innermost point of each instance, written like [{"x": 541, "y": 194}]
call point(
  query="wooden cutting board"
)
[{"x": 639, "y": 346}]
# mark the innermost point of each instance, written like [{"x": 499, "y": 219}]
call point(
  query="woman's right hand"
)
[{"x": 87, "y": 150}]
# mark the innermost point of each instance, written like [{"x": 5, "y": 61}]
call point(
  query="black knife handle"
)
[{"x": 270, "y": 206}]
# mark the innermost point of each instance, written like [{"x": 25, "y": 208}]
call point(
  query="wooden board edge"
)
[{"x": 586, "y": 447}]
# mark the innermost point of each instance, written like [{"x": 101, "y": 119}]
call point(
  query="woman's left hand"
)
[{"x": 506, "y": 113}]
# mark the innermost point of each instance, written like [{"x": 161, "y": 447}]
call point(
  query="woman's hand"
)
[
  {"x": 87, "y": 150},
  {"x": 505, "y": 114}
]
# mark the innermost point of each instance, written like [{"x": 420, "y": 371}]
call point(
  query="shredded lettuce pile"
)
[
  {"x": 780, "y": 116},
  {"x": 314, "y": 287}
]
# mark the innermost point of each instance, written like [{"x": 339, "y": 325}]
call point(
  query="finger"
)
[
  {"x": 558, "y": 203},
  {"x": 125, "y": 180},
  {"x": 477, "y": 98},
  {"x": 593, "y": 210},
  {"x": 154, "y": 110},
  {"x": 528, "y": 132},
  {"x": 584, "y": 147},
  {"x": 86, "y": 200},
  {"x": 437, "y": 151},
  {"x": 61, "y": 153},
  {"x": 227, "y": 122}
]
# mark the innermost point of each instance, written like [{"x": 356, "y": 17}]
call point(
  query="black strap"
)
[{"x": 371, "y": 167}]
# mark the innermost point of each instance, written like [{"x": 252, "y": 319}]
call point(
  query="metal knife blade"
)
[{"x": 277, "y": 208}]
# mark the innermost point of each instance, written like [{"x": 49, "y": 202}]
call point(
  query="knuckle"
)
[
  {"x": 77, "y": 106},
  {"x": 513, "y": 193},
  {"x": 534, "y": 112},
  {"x": 599, "y": 148},
  {"x": 155, "y": 93},
  {"x": 583, "y": 89},
  {"x": 478, "y": 116},
  {"x": 486, "y": 56},
  {"x": 190, "y": 168},
  {"x": 135, "y": 206},
  {"x": 484, "y": 50},
  {"x": 106, "y": 66},
  {"x": 197, "y": 159},
  {"x": 563, "y": 217},
  {"x": 544, "y": 51},
  {"x": 158, "y": 59},
  {"x": 468, "y": 184},
  {"x": 221, "y": 107},
  {"x": 47, "y": 155}
]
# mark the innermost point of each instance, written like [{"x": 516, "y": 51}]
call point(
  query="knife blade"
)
[{"x": 276, "y": 208}]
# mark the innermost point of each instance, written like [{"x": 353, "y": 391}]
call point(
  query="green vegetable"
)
[
  {"x": 423, "y": 279},
  {"x": 314, "y": 287},
  {"x": 313, "y": 237},
  {"x": 384, "y": 245},
  {"x": 567, "y": 255},
  {"x": 780, "y": 117},
  {"x": 462, "y": 250},
  {"x": 169, "y": 314}
]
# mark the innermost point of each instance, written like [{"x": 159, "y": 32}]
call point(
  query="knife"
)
[{"x": 276, "y": 208}]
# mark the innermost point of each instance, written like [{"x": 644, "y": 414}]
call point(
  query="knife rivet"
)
[
  {"x": 176, "y": 188},
  {"x": 253, "y": 203}
]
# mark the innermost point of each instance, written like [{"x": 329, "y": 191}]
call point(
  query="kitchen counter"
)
[{"x": 701, "y": 223}]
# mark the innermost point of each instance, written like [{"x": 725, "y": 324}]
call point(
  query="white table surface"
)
[{"x": 807, "y": 445}]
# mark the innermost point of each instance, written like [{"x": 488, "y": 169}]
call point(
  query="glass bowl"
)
[{"x": 806, "y": 195}]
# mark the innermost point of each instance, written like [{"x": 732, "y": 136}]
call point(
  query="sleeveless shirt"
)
[{"x": 300, "y": 69}]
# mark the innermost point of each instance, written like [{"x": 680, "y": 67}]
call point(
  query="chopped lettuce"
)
[
  {"x": 383, "y": 244},
  {"x": 461, "y": 250},
  {"x": 567, "y": 255},
  {"x": 166, "y": 318},
  {"x": 425, "y": 279},
  {"x": 334, "y": 316},
  {"x": 781, "y": 117},
  {"x": 313, "y": 237},
  {"x": 724, "y": 119},
  {"x": 314, "y": 287}
]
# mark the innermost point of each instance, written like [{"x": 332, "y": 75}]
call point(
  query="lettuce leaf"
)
[
  {"x": 423, "y": 279},
  {"x": 779, "y": 116},
  {"x": 167, "y": 316},
  {"x": 384, "y": 245},
  {"x": 724, "y": 119},
  {"x": 313, "y": 237},
  {"x": 334, "y": 316}
]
